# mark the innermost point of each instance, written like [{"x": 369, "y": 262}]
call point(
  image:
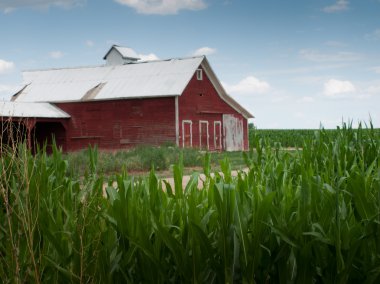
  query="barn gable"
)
[
  {"x": 207, "y": 119},
  {"x": 222, "y": 92}
]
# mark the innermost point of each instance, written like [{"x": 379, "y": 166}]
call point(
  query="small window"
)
[{"x": 199, "y": 74}]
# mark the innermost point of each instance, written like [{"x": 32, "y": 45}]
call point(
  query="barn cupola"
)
[{"x": 119, "y": 55}]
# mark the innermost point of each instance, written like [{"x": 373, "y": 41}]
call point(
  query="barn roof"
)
[
  {"x": 161, "y": 78},
  {"x": 31, "y": 110},
  {"x": 134, "y": 80}
]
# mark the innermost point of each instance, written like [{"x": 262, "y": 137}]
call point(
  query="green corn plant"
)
[{"x": 306, "y": 216}]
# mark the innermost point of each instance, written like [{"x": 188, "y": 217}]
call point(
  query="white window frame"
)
[
  {"x": 218, "y": 122},
  {"x": 199, "y": 74},
  {"x": 200, "y": 133},
  {"x": 183, "y": 132}
]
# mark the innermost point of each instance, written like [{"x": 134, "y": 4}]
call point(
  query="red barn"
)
[{"x": 128, "y": 102}]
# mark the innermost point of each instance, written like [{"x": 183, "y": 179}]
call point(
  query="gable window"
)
[{"x": 199, "y": 74}]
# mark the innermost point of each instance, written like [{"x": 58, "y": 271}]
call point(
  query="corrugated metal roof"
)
[
  {"x": 37, "y": 110},
  {"x": 160, "y": 78},
  {"x": 136, "y": 80}
]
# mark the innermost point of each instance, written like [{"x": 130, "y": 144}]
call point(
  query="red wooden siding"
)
[
  {"x": 201, "y": 102},
  {"x": 125, "y": 123},
  {"x": 120, "y": 123}
]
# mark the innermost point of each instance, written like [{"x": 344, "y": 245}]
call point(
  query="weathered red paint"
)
[
  {"x": 201, "y": 102},
  {"x": 125, "y": 123},
  {"x": 119, "y": 124}
]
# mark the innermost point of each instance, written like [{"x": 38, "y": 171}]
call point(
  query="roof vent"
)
[
  {"x": 91, "y": 94},
  {"x": 119, "y": 55}
]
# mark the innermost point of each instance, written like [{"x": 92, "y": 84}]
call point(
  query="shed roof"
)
[{"x": 31, "y": 110}]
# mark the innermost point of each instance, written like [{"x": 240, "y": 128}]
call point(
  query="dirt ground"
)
[{"x": 201, "y": 179}]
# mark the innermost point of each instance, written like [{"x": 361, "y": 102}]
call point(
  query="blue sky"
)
[{"x": 293, "y": 64}]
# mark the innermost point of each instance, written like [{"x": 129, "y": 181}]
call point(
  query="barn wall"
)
[
  {"x": 120, "y": 123},
  {"x": 201, "y": 102}
]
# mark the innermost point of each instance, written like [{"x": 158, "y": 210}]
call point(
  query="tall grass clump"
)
[
  {"x": 306, "y": 216},
  {"x": 140, "y": 158}
]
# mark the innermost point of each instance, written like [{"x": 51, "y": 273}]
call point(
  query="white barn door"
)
[{"x": 233, "y": 133}]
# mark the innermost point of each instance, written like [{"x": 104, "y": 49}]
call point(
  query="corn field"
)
[
  {"x": 306, "y": 216},
  {"x": 290, "y": 138}
]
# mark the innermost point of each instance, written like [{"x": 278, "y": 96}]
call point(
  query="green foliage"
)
[
  {"x": 141, "y": 158},
  {"x": 306, "y": 216},
  {"x": 291, "y": 138}
]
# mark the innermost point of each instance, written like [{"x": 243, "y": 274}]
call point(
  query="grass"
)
[
  {"x": 310, "y": 216},
  {"x": 140, "y": 160}
]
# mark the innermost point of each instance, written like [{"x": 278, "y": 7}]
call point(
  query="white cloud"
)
[
  {"x": 5, "y": 88},
  {"x": 278, "y": 99},
  {"x": 6, "y": 66},
  {"x": 148, "y": 57},
  {"x": 334, "y": 43},
  {"x": 374, "y": 89},
  {"x": 204, "y": 51},
  {"x": 163, "y": 7},
  {"x": 308, "y": 80},
  {"x": 375, "y": 35},
  {"x": 299, "y": 114},
  {"x": 89, "y": 43},
  {"x": 304, "y": 70},
  {"x": 338, "y": 89},
  {"x": 249, "y": 85},
  {"x": 339, "y": 6},
  {"x": 376, "y": 69},
  {"x": 56, "y": 54},
  {"x": 306, "y": 99},
  {"x": 6, "y": 91},
  {"x": 8, "y": 6},
  {"x": 317, "y": 56}
]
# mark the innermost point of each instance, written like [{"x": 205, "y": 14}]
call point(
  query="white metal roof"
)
[
  {"x": 160, "y": 78},
  {"x": 22, "y": 109},
  {"x": 135, "y": 80}
]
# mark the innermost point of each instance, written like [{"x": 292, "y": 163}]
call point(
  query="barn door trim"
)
[
  {"x": 218, "y": 130},
  {"x": 200, "y": 133},
  {"x": 183, "y": 132},
  {"x": 176, "y": 121}
]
